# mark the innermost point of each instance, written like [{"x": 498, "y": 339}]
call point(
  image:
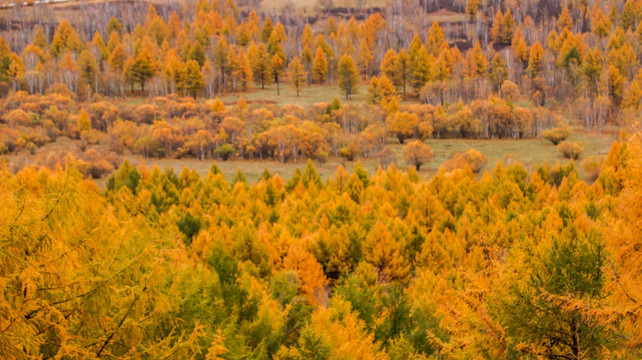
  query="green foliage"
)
[
  {"x": 557, "y": 135},
  {"x": 225, "y": 151}
]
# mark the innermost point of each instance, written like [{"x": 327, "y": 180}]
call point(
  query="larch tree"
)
[
  {"x": 348, "y": 76},
  {"x": 535, "y": 60},
  {"x": 389, "y": 67},
  {"x": 142, "y": 69},
  {"x": 365, "y": 58},
  {"x": 261, "y": 63},
  {"x": 297, "y": 74},
  {"x": 193, "y": 78},
  {"x": 244, "y": 70},
  {"x": 320, "y": 66},
  {"x": 435, "y": 39},
  {"x": 65, "y": 39},
  {"x": 277, "y": 71}
]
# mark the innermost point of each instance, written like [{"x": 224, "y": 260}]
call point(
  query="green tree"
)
[
  {"x": 193, "y": 79},
  {"x": 348, "y": 76},
  {"x": 558, "y": 293},
  {"x": 142, "y": 69}
]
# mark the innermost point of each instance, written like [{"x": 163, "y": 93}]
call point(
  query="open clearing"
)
[{"x": 529, "y": 152}]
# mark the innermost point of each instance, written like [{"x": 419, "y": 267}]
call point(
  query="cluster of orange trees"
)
[
  {"x": 579, "y": 56},
  {"x": 179, "y": 127},
  {"x": 368, "y": 266}
]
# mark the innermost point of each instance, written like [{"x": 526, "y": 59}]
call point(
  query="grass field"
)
[
  {"x": 307, "y": 96},
  {"x": 309, "y": 6},
  {"x": 529, "y": 152}
]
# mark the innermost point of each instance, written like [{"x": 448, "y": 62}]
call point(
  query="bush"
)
[
  {"x": 225, "y": 151},
  {"x": 31, "y": 147},
  {"x": 472, "y": 158},
  {"x": 592, "y": 165},
  {"x": 557, "y": 135},
  {"x": 349, "y": 152},
  {"x": 571, "y": 150},
  {"x": 417, "y": 153}
]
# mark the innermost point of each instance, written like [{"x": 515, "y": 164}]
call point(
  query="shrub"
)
[
  {"x": 225, "y": 151},
  {"x": 571, "y": 149},
  {"x": 417, "y": 153},
  {"x": 349, "y": 152},
  {"x": 557, "y": 135},
  {"x": 472, "y": 158},
  {"x": 31, "y": 147},
  {"x": 592, "y": 165}
]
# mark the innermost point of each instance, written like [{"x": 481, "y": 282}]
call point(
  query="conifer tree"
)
[
  {"x": 142, "y": 69},
  {"x": 320, "y": 66},
  {"x": 348, "y": 76},
  {"x": 261, "y": 63},
  {"x": 277, "y": 70},
  {"x": 297, "y": 74},
  {"x": 193, "y": 78}
]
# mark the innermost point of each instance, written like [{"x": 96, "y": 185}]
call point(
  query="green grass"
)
[
  {"x": 309, "y": 6},
  {"x": 307, "y": 96},
  {"x": 529, "y": 152}
]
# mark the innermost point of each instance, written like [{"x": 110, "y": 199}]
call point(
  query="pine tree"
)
[
  {"x": 297, "y": 74},
  {"x": 348, "y": 76}
]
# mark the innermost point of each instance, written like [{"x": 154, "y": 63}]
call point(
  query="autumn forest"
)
[{"x": 325, "y": 180}]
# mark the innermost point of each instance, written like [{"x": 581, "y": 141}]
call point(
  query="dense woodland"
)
[{"x": 361, "y": 266}]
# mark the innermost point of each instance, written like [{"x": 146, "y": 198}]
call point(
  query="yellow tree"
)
[
  {"x": 297, "y": 74},
  {"x": 535, "y": 60},
  {"x": 402, "y": 125},
  {"x": 365, "y": 58},
  {"x": 65, "y": 39},
  {"x": 417, "y": 153},
  {"x": 277, "y": 70},
  {"x": 319, "y": 66},
  {"x": 348, "y": 76}
]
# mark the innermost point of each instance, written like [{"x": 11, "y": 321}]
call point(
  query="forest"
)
[{"x": 415, "y": 179}]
